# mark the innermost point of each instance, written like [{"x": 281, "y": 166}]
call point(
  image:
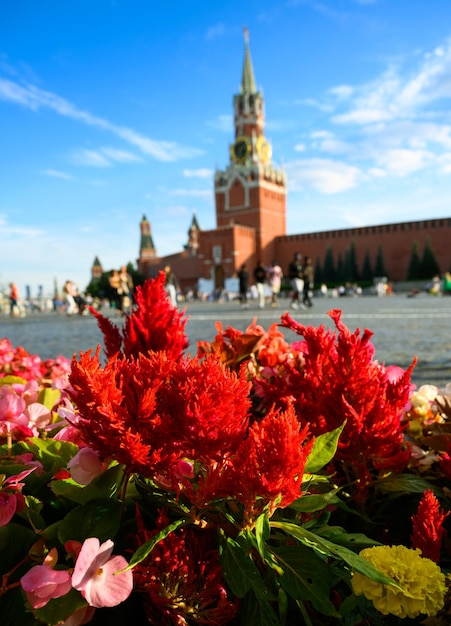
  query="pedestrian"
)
[
  {"x": 260, "y": 280},
  {"x": 115, "y": 297},
  {"x": 275, "y": 275},
  {"x": 125, "y": 289},
  {"x": 296, "y": 274},
  {"x": 171, "y": 285},
  {"x": 14, "y": 300},
  {"x": 309, "y": 274},
  {"x": 70, "y": 292},
  {"x": 243, "y": 280}
]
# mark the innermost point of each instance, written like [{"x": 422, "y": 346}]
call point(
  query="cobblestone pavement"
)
[{"x": 402, "y": 327}]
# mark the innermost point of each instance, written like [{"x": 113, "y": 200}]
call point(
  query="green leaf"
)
[
  {"x": 327, "y": 548},
  {"x": 58, "y": 610},
  {"x": 53, "y": 454},
  {"x": 354, "y": 541},
  {"x": 305, "y": 577},
  {"x": 262, "y": 533},
  {"x": 146, "y": 548},
  {"x": 315, "y": 502},
  {"x": 240, "y": 571},
  {"x": 15, "y": 541},
  {"x": 49, "y": 397},
  {"x": 12, "y": 380},
  {"x": 258, "y": 612},
  {"x": 405, "y": 483},
  {"x": 98, "y": 518},
  {"x": 13, "y": 611},
  {"x": 323, "y": 451},
  {"x": 106, "y": 485}
]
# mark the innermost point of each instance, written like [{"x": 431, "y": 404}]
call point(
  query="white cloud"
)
[
  {"x": 323, "y": 175},
  {"x": 403, "y": 162},
  {"x": 34, "y": 98},
  {"x": 400, "y": 94},
  {"x": 92, "y": 158},
  {"x": 376, "y": 172},
  {"x": 199, "y": 173},
  {"x": 197, "y": 193},
  {"x": 58, "y": 174},
  {"x": 299, "y": 147},
  {"x": 121, "y": 156},
  {"x": 342, "y": 91},
  {"x": 315, "y": 104}
]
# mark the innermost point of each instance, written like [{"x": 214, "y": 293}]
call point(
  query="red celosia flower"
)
[
  {"x": 267, "y": 470},
  {"x": 428, "y": 531},
  {"x": 153, "y": 325},
  {"x": 181, "y": 581},
  {"x": 339, "y": 381},
  {"x": 151, "y": 412}
]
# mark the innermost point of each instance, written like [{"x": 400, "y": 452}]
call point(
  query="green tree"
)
[
  {"x": 318, "y": 271},
  {"x": 413, "y": 271},
  {"x": 379, "y": 267},
  {"x": 329, "y": 271},
  {"x": 351, "y": 271},
  {"x": 367, "y": 269},
  {"x": 428, "y": 265},
  {"x": 341, "y": 278}
]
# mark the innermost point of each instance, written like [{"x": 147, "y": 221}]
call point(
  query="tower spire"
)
[{"x": 248, "y": 80}]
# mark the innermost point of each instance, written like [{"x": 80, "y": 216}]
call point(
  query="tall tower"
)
[
  {"x": 250, "y": 191},
  {"x": 147, "y": 250}
]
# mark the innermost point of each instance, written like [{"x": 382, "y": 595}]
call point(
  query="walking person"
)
[
  {"x": 243, "y": 280},
  {"x": 115, "y": 297},
  {"x": 275, "y": 275},
  {"x": 70, "y": 292},
  {"x": 296, "y": 274},
  {"x": 125, "y": 290},
  {"x": 308, "y": 282},
  {"x": 171, "y": 285},
  {"x": 14, "y": 300},
  {"x": 260, "y": 280}
]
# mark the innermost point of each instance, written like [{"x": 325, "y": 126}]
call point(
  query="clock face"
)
[
  {"x": 241, "y": 149},
  {"x": 263, "y": 150}
]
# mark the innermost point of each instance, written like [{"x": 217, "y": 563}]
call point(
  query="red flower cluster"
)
[
  {"x": 181, "y": 581},
  {"x": 154, "y": 325},
  {"x": 329, "y": 379},
  {"x": 151, "y": 412},
  {"x": 428, "y": 531}
]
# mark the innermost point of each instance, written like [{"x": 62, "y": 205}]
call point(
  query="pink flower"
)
[
  {"x": 42, "y": 583},
  {"x": 85, "y": 466},
  {"x": 95, "y": 574},
  {"x": 8, "y": 506}
]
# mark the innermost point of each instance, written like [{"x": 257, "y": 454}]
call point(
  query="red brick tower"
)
[
  {"x": 250, "y": 191},
  {"x": 147, "y": 252}
]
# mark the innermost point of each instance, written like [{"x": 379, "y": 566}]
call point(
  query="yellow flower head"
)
[{"x": 421, "y": 580}]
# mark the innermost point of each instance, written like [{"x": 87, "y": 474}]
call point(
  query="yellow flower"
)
[{"x": 421, "y": 580}]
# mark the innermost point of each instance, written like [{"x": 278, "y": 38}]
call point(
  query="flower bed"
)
[{"x": 255, "y": 482}]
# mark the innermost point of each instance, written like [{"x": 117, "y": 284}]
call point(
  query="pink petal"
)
[
  {"x": 106, "y": 588},
  {"x": 8, "y": 505},
  {"x": 92, "y": 556}
]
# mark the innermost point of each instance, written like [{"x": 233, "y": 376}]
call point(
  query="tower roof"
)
[
  {"x": 194, "y": 223},
  {"x": 248, "y": 80}
]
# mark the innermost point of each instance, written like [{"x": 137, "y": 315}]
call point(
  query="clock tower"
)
[{"x": 250, "y": 191}]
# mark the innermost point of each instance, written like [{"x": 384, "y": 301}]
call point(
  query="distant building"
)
[
  {"x": 250, "y": 202},
  {"x": 96, "y": 270}
]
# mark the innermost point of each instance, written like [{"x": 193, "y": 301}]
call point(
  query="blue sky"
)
[{"x": 111, "y": 109}]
